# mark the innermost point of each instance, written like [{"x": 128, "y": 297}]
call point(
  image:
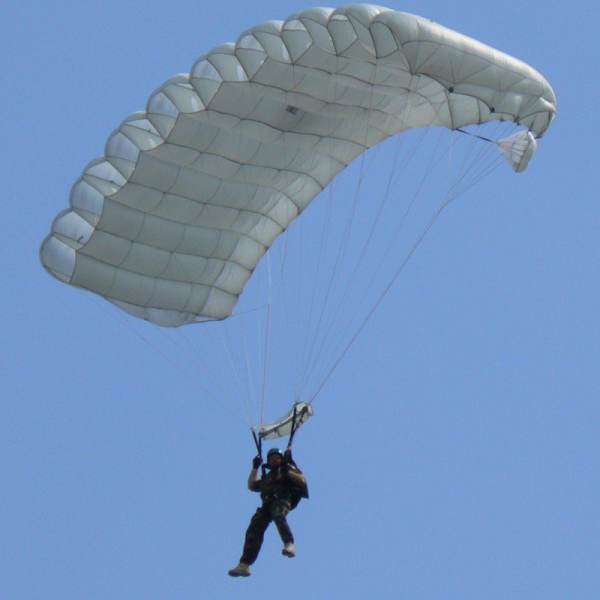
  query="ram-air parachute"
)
[{"x": 171, "y": 222}]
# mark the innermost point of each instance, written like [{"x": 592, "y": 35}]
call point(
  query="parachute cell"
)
[{"x": 171, "y": 222}]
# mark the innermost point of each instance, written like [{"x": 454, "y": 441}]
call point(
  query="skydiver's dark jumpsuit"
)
[{"x": 279, "y": 496}]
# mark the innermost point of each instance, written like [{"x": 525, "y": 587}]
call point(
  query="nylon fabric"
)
[{"x": 171, "y": 222}]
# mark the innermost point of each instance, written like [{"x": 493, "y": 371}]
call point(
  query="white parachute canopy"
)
[{"x": 171, "y": 222}]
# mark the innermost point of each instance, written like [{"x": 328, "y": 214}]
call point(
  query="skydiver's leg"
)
[
  {"x": 279, "y": 512},
  {"x": 255, "y": 535}
]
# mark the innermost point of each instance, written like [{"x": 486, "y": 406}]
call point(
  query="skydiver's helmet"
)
[{"x": 273, "y": 452}]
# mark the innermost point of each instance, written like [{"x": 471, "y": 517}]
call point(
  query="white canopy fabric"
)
[{"x": 171, "y": 222}]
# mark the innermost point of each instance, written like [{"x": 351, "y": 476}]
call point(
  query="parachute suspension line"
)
[
  {"x": 387, "y": 194},
  {"x": 320, "y": 299},
  {"x": 463, "y": 170},
  {"x": 242, "y": 370},
  {"x": 312, "y": 274},
  {"x": 311, "y": 332},
  {"x": 248, "y": 391},
  {"x": 256, "y": 400},
  {"x": 452, "y": 192},
  {"x": 187, "y": 349},
  {"x": 333, "y": 280},
  {"x": 312, "y": 309},
  {"x": 242, "y": 377},
  {"x": 407, "y": 211},
  {"x": 263, "y": 400},
  {"x": 484, "y": 161},
  {"x": 290, "y": 304},
  {"x": 311, "y": 360},
  {"x": 398, "y": 166},
  {"x": 396, "y": 234},
  {"x": 316, "y": 310},
  {"x": 278, "y": 285},
  {"x": 125, "y": 321},
  {"x": 220, "y": 337},
  {"x": 223, "y": 394},
  {"x": 261, "y": 352},
  {"x": 376, "y": 305},
  {"x": 252, "y": 336}
]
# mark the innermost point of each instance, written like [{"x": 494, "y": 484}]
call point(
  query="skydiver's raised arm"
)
[{"x": 253, "y": 477}]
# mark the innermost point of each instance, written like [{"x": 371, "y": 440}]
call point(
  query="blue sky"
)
[{"x": 454, "y": 453}]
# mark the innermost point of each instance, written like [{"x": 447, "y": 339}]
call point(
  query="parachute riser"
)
[
  {"x": 294, "y": 427},
  {"x": 258, "y": 443}
]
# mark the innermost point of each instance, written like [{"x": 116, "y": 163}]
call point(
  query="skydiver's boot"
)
[
  {"x": 289, "y": 550},
  {"x": 242, "y": 570}
]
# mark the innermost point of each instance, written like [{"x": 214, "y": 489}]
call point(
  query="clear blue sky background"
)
[{"x": 454, "y": 454}]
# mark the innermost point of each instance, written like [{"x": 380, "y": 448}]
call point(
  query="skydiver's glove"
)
[
  {"x": 287, "y": 456},
  {"x": 257, "y": 461}
]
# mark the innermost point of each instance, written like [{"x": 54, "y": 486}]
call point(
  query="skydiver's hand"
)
[
  {"x": 287, "y": 456},
  {"x": 257, "y": 461}
]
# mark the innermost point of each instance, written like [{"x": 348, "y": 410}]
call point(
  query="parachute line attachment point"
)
[
  {"x": 517, "y": 149},
  {"x": 294, "y": 426},
  {"x": 480, "y": 137}
]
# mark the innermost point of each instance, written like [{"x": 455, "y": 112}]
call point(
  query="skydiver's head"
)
[{"x": 274, "y": 458}]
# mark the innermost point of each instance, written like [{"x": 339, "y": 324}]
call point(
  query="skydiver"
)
[{"x": 280, "y": 490}]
